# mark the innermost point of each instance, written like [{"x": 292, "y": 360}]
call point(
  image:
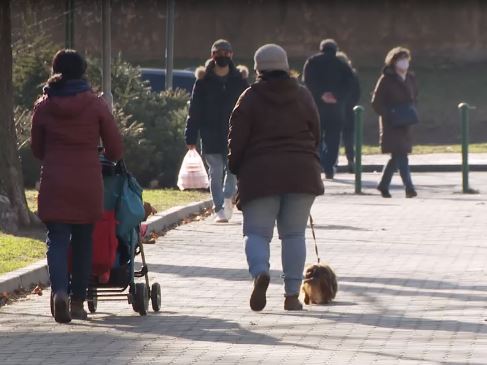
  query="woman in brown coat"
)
[
  {"x": 67, "y": 124},
  {"x": 273, "y": 143},
  {"x": 396, "y": 86}
]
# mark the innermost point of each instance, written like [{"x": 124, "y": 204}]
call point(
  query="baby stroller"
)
[{"x": 116, "y": 243}]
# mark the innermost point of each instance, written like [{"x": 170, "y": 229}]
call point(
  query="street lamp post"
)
[
  {"x": 69, "y": 25},
  {"x": 107, "y": 48},
  {"x": 169, "y": 43}
]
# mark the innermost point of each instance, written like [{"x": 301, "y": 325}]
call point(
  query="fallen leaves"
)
[{"x": 10, "y": 297}]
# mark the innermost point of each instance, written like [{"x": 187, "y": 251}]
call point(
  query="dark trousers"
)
[
  {"x": 398, "y": 161},
  {"x": 59, "y": 237},
  {"x": 331, "y": 126}
]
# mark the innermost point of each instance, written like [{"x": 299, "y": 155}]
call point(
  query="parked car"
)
[{"x": 182, "y": 79}]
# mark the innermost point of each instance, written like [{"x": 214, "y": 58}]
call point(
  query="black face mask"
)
[{"x": 222, "y": 61}]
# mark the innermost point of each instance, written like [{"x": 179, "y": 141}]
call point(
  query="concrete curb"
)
[
  {"x": 38, "y": 273},
  {"x": 24, "y": 278},
  {"x": 168, "y": 218}
]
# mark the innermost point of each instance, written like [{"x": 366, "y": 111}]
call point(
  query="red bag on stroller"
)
[{"x": 105, "y": 245}]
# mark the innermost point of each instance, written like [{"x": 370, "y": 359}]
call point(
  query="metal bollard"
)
[
  {"x": 464, "y": 109},
  {"x": 359, "y": 132}
]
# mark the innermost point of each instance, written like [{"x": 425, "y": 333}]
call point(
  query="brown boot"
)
[
  {"x": 61, "y": 307},
  {"x": 258, "y": 299},
  {"x": 77, "y": 310},
  {"x": 292, "y": 303}
]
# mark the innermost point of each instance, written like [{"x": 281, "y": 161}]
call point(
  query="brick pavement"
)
[{"x": 411, "y": 291}]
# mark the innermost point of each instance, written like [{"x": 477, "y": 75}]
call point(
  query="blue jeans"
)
[
  {"x": 59, "y": 238},
  {"x": 259, "y": 217},
  {"x": 223, "y": 183},
  {"x": 397, "y": 161}
]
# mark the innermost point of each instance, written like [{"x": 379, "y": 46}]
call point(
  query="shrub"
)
[{"x": 151, "y": 124}]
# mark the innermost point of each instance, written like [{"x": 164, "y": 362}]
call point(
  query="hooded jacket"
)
[
  {"x": 66, "y": 132},
  {"x": 389, "y": 92},
  {"x": 273, "y": 141},
  {"x": 212, "y": 101}
]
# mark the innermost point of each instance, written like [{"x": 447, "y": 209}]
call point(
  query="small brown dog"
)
[
  {"x": 149, "y": 210},
  {"x": 319, "y": 284}
]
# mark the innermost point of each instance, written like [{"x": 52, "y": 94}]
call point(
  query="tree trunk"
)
[{"x": 11, "y": 179}]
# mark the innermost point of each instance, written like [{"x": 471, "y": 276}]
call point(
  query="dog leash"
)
[{"x": 314, "y": 236}]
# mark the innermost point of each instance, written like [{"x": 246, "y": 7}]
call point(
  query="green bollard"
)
[
  {"x": 464, "y": 109},
  {"x": 359, "y": 132}
]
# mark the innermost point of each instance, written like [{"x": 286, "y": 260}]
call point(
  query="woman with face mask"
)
[{"x": 396, "y": 88}]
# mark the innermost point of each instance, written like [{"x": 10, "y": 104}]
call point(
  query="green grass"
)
[
  {"x": 424, "y": 149},
  {"x": 163, "y": 199},
  {"x": 17, "y": 252}
]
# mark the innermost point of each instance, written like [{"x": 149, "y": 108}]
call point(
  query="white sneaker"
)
[
  {"x": 228, "y": 208},
  {"x": 220, "y": 216}
]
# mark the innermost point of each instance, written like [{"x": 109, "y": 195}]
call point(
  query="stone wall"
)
[{"x": 436, "y": 30}]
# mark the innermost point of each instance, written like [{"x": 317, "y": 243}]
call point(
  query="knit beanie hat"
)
[
  {"x": 221, "y": 45},
  {"x": 271, "y": 57}
]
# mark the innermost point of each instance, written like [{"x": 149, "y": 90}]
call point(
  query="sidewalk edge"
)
[{"x": 37, "y": 272}]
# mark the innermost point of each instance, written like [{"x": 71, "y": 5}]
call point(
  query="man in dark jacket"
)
[
  {"x": 330, "y": 82},
  {"x": 212, "y": 101}
]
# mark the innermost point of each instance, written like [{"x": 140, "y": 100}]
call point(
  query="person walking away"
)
[
  {"x": 273, "y": 150},
  {"x": 67, "y": 124},
  {"x": 330, "y": 83},
  {"x": 395, "y": 87},
  {"x": 348, "y": 130},
  {"x": 212, "y": 101}
]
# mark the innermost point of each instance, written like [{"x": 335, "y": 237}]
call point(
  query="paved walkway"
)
[
  {"x": 424, "y": 159},
  {"x": 412, "y": 290}
]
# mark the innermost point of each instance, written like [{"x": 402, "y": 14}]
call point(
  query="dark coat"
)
[
  {"x": 273, "y": 141},
  {"x": 212, "y": 102},
  {"x": 66, "y": 131},
  {"x": 324, "y": 72},
  {"x": 391, "y": 91}
]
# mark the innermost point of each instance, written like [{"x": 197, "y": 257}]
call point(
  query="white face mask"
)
[{"x": 402, "y": 64}]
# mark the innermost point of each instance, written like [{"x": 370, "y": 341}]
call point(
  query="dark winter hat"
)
[
  {"x": 271, "y": 57},
  {"x": 328, "y": 45},
  {"x": 68, "y": 63},
  {"x": 221, "y": 45}
]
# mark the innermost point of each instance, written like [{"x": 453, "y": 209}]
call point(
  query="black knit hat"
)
[{"x": 221, "y": 45}]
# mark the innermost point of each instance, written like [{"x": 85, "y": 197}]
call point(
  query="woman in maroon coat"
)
[
  {"x": 67, "y": 124},
  {"x": 396, "y": 86}
]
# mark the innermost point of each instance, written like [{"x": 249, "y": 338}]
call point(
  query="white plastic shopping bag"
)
[{"x": 192, "y": 174}]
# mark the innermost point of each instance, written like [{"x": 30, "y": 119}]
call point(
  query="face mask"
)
[
  {"x": 402, "y": 64},
  {"x": 222, "y": 61}
]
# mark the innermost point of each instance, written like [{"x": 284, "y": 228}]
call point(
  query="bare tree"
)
[{"x": 11, "y": 179}]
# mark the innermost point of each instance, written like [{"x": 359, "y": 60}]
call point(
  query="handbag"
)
[
  {"x": 403, "y": 115},
  {"x": 130, "y": 208}
]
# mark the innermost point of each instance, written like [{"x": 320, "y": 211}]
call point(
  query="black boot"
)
[
  {"x": 77, "y": 310},
  {"x": 61, "y": 308},
  {"x": 258, "y": 298},
  {"x": 384, "y": 192}
]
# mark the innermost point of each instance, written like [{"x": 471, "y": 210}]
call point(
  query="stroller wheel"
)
[
  {"x": 92, "y": 300},
  {"x": 155, "y": 296},
  {"x": 141, "y": 298},
  {"x": 132, "y": 297}
]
